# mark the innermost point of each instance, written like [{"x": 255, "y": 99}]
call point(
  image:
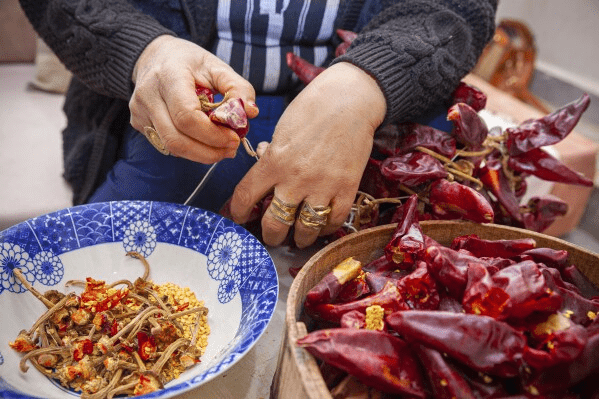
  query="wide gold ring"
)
[
  {"x": 314, "y": 217},
  {"x": 154, "y": 139},
  {"x": 282, "y": 211}
]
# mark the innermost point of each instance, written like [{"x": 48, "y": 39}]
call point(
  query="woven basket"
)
[{"x": 298, "y": 376}]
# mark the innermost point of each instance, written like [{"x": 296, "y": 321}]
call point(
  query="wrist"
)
[{"x": 148, "y": 53}]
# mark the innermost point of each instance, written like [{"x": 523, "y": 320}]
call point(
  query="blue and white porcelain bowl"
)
[{"x": 221, "y": 262}]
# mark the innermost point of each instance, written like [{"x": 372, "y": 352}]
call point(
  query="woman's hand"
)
[
  {"x": 164, "y": 98},
  {"x": 318, "y": 153}
]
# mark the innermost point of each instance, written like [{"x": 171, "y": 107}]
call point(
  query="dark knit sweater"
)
[{"x": 417, "y": 50}]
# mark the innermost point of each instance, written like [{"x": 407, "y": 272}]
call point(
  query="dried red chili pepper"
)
[
  {"x": 446, "y": 382},
  {"x": 453, "y": 199},
  {"x": 470, "y": 95},
  {"x": 413, "y": 169},
  {"x": 468, "y": 127},
  {"x": 353, "y": 289},
  {"x": 556, "y": 258},
  {"x": 481, "y": 342},
  {"x": 228, "y": 112},
  {"x": 540, "y": 212},
  {"x": 378, "y": 359},
  {"x": 379, "y": 265},
  {"x": 375, "y": 184},
  {"x": 495, "y": 181},
  {"x": 547, "y": 130},
  {"x": 353, "y": 319},
  {"x": 579, "y": 309},
  {"x": 562, "y": 346},
  {"x": 482, "y": 297},
  {"x": 419, "y": 289},
  {"x": 146, "y": 346},
  {"x": 332, "y": 283},
  {"x": 389, "y": 298},
  {"x": 541, "y": 164},
  {"x": 395, "y": 139},
  {"x": 520, "y": 289},
  {"x": 232, "y": 114},
  {"x": 492, "y": 248},
  {"x": 450, "y": 268},
  {"x": 348, "y": 37},
  {"x": 586, "y": 287},
  {"x": 563, "y": 376},
  {"x": 407, "y": 239},
  {"x": 305, "y": 71}
]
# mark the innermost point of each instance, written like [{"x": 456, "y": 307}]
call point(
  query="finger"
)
[
  {"x": 340, "y": 209},
  {"x": 261, "y": 148},
  {"x": 181, "y": 145},
  {"x": 225, "y": 80},
  {"x": 312, "y": 218},
  {"x": 184, "y": 110},
  {"x": 279, "y": 217},
  {"x": 254, "y": 186}
]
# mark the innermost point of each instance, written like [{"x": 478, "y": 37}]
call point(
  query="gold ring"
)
[
  {"x": 154, "y": 139},
  {"x": 314, "y": 217},
  {"x": 282, "y": 211}
]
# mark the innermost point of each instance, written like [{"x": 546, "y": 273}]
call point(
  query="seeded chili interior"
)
[{"x": 124, "y": 338}]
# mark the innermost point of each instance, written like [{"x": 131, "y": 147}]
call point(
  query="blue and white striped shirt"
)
[{"x": 254, "y": 37}]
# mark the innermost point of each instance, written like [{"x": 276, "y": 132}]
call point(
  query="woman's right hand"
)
[{"x": 165, "y": 76}]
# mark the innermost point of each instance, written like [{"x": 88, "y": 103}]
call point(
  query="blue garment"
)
[{"x": 142, "y": 173}]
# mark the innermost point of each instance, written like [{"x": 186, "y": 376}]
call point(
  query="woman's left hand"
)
[{"x": 317, "y": 156}]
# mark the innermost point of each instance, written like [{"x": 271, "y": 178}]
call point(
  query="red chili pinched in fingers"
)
[
  {"x": 481, "y": 342},
  {"x": 493, "y": 248},
  {"x": 378, "y": 359},
  {"x": 468, "y": 127},
  {"x": 413, "y": 169},
  {"x": 229, "y": 112},
  {"x": 547, "y": 130},
  {"x": 453, "y": 198}
]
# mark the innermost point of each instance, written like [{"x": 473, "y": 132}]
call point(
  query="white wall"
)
[{"x": 566, "y": 34}]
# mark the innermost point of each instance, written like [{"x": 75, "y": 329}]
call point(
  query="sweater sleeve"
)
[
  {"x": 419, "y": 50},
  {"x": 98, "y": 40}
]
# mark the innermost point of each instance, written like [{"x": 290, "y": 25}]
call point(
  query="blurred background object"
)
[{"x": 508, "y": 62}]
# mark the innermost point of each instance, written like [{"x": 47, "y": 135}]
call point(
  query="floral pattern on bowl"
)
[{"x": 220, "y": 261}]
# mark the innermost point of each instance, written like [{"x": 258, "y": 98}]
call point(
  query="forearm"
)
[
  {"x": 418, "y": 51},
  {"x": 98, "y": 40}
]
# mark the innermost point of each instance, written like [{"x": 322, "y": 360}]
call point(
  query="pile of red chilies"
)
[
  {"x": 473, "y": 320},
  {"x": 473, "y": 172}
]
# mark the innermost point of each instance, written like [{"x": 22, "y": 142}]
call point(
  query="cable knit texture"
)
[{"x": 417, "y": 51}]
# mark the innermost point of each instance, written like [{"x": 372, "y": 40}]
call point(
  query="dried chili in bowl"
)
[
  {"x": 109, "y": 342},
  {"x": 482, "y": 318}
]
